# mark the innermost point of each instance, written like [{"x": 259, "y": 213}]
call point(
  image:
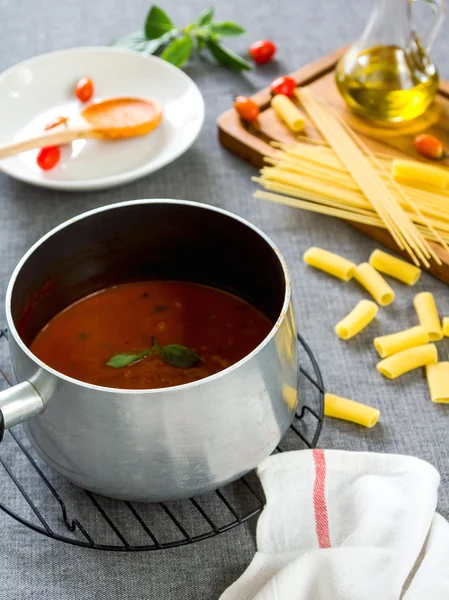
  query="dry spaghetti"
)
[
  {"x": 312, "y": 176},
  {"x": 346, "y": 180}
]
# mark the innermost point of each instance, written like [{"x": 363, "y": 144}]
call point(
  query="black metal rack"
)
[{"x": 37, "y": 497}]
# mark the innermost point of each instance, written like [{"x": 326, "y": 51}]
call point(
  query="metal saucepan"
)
[{"x": 166, "y": 443}]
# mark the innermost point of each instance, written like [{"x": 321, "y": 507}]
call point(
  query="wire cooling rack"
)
[{"x": 37, "y": 497}]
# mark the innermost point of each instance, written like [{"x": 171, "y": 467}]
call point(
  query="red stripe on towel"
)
[{"x": 319, "y": 500}]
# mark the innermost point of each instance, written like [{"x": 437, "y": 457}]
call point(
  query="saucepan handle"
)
[{"x": 17, "y": 404}]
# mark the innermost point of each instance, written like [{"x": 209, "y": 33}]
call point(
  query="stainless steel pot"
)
[{"x": 157, "y": 444}]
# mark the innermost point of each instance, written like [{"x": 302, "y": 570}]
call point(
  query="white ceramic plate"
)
[{"x": 40, "y": 89}]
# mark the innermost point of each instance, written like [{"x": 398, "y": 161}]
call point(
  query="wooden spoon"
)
[{"x": 112, "y": 119}]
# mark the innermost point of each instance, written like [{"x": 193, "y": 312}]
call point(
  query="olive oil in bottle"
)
[{"x": 387, "y": 83}]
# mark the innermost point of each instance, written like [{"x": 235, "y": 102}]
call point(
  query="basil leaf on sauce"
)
[
  {"x": 173, "y": 354},
  {"x": 177, "y": 355},
  {"x": 180, "y": 356},
  {"x": 118, "y": 361}
]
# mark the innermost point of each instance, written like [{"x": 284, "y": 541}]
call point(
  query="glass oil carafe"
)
[{"x": 388, "y": 75}]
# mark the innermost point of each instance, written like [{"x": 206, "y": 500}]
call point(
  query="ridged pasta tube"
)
[
  {"x": 419, "y": 174},
  {"x": 386, "y": 345},
  {"x": 374, "y": 283},
  {"x": 427, "y": 312},
  {"x": 407, "y": 360},
  {"x": 330, "y": 263},
  {"x": 349, "y": 410},
  {"x": 359, "y": 317},
  {"x": 394, "y": 267},
  {"x": 438, "y": 381},
  {"x": 288, "y": 112}
]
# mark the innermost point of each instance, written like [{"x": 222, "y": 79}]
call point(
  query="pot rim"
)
[{"x": 12, "y": 329}]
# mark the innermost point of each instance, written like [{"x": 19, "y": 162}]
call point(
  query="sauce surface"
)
[{"x": 220, "y": 327}]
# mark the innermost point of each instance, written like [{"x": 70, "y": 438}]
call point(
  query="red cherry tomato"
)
[
  {"x": 48, "y": 157},
  {"x": 283, "y": 85},
  {"x": 429, "y": 146},
  {"x": 55, "y": 123},
  {"x": 247, "y": 108},
  {"x": 84, "y": 89},
  {"x": 262, "y": 51}
]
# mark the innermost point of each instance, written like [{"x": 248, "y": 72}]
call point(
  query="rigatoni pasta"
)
[
  {"x": 357, "y": 319},
  {"x": 386, "y": 345},
  {"x": 419, "y": 174},
  {"x": 407, "y": 360},
  {"x": 438, "y": 381},
  {"x": 288, "y": 112},
  {"x": 374, "y": 283},
  {"x": 427, "y": 312},
  {"x": 349, "y": 410},
  {"x": 446, "y": 326},
  {"x": 330, "y": 263},
  {"x": 394, "y": 267}
]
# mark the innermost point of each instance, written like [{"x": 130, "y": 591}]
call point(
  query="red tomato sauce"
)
[{"x": 219, "y": 327}]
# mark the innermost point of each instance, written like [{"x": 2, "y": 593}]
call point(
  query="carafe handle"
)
[{"x": 439, "y": 12}]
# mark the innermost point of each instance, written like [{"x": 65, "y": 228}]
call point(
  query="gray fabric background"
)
[{"x": 32, "y": 566}]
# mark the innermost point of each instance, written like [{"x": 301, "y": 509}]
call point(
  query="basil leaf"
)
[
  {"x": 205, "y": 17},
  {"x": 199, "y": 44},
  {"x": 123, "y": 360},
  {"x": 176, "y": 355},
  {"x": 210, "y": 37},
  {"x": 226, "y": 28},
  {"x": 137, "y": 42},
  {"x": 157, "y": 347},
  {"x": 179, "y": 356},
  {"x": 178, "y": 52},
  {"x": 157, "y": 23},
  {"x": 226, "y": 57}
]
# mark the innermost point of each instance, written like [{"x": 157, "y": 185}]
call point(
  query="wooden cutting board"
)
[{"x": 251, "y": 142}]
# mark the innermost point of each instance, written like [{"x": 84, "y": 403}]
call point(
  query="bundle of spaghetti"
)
[
  {"x": 322, "y": 155},
  {"x": 324, "y": 181},
  {"x": 369, "y": 180},
  {"x": 317, "y": 205},
  {"x": 312, "y": 177}
]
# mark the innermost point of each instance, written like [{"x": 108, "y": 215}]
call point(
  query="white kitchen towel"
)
[{"x": 347, "y": 526}]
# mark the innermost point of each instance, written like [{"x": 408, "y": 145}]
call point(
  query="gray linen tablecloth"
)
[{"x": 32, "y": 566}]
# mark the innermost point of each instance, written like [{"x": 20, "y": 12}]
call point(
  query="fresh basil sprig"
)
[
  {"x": 172, "y": 354},
  {"x": 176, "y": 45}
]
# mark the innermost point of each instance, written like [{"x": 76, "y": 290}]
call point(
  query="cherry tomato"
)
[
  {"x": 84, "y": 89},
  {"x": 48, "y": 157},
  {"x": 429, "y": 146},
  {"x": 283, "y": 85},
  {"x": 262, "y": 51},
  {"x": 55, "y": 123},
  {"x": 247, "y": 108}
]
